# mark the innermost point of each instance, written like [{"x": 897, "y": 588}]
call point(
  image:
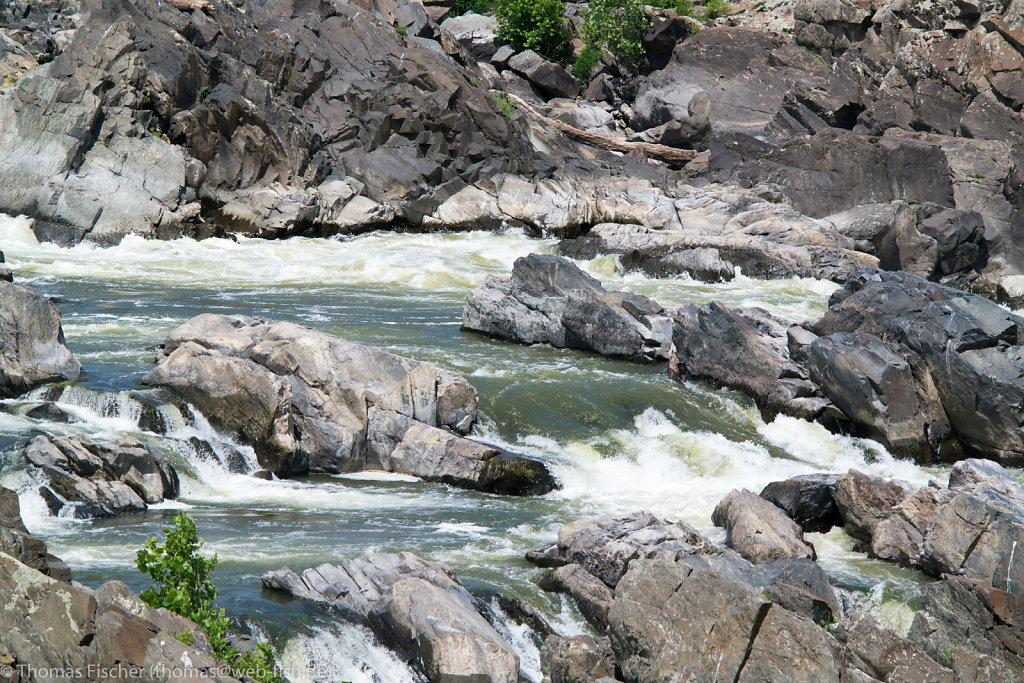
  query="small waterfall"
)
[
  {"x": 343, "y": 653},
  {"x": 521, "y": 638},
  {"x": 205, "y": 447},
  {"x": 120, "y": 409}
]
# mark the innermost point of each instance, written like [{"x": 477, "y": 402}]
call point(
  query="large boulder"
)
[
  {"x": 549, "y": 300},
  {"x": 32, "y": 342},
  {"x": 99, "y": 480},
  {"x": 548, "y": 77},
  {"x": 807, "y": 499},
  {"x": 758, "y": 530},
  {"x": 864, "y": 501},
  {"x": 418, "y": 607},
  {"x": 475, "y": 33},
  {"x": 49, "y": 625},
  {"x": 311, "y": 402}
]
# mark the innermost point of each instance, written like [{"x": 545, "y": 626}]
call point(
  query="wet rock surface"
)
[
  {"x": 311, "y": 402},
  {"x": 418, "y": 607}
]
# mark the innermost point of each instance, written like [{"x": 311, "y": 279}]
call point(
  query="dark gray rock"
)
[
  {"x": 101, "y": 479},
  {"x": 900, "y": 537},
  {"x": 758, "y": 530},
  {"x": 885, "y": 656},
  {"x": 549, "y": 300},
  {"x": 546, "y": 76},
  {"x": 311, "y": 402},
  {"x": 32, "y": 341},
  {"x": 418, "y": 607},
  {"x": 807, "y": 499}
]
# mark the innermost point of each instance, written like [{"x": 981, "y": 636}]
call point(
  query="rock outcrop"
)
[
  {"x": 310, "y": 402},
  {"x": 549, "y": 300},
  {"x": 32, "y": 348},
  {"x": 929, "y": 371},
  {"x": 100, "y": 479},
  {"x": 49, "y": 626},
  {"x": 17, "y": 542},
  {"x": 419, "y": 608}
]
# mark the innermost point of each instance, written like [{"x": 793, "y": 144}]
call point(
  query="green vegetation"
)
[
  {"x": 618, "y": 26},
  {"x": 157, "y": 133},
  {"x": 204, "y": 92},
  {"x": 507, "y": 105},
  {"x": 714, "y": 9},
  {"x": 475, "y": 6},
  {"x": 401, "y": 30},
  {"x": 587, "y": 60},
  {"x": 9, "y": 81},
  {"x": 683, "y": 8},
  {"x": 978, "y": 176},
  {"x": 537, "y": 25},
  {"x": 181, "y": 577}
]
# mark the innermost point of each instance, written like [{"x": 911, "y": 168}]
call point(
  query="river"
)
[{"x": 619, "y": 437}]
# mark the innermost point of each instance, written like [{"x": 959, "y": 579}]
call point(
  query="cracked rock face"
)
[
  {"x": 549, "y": 300},
  {"x": 418, "y": 607},
  {"x": 311, "y": 402},
  {"x": 100, "y": 480}
]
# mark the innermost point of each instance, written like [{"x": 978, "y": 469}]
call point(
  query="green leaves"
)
[
  {"x": 617, "y": 26},
  {"x": 181, "y": 578},
  {"x": 537, "y": 25}
]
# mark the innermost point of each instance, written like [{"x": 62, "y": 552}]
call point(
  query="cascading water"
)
[{"x": 619, "y": 437}]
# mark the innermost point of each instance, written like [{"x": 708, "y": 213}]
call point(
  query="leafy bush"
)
[
  {"x": 714, "y": 9},
  {"x": 506, "y": 104},
  {"x": 585, "y": 63},
  {"x": 181, "y": 577},
  {"x": 537, "y": 25},
  {"x": 618, "y": 26},
  {"x": 683, "y": 8},
  {"x": 401, "y": 30},
  {"x": 476, "y": 6}
]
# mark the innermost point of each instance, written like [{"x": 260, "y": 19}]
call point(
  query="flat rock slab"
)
[
  {"x": 418, "y": 607},
  {"x": 311, "y": 402}
]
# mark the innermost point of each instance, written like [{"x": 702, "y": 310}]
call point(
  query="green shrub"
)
[
  {"x": 618, "y": 26},
  {"x": 683, "y": 8},
  {"x": 506, "y": 104},
  {"x": 714, "y": 9},
  {"x": 476, "y": 6},
  {"x": 537, "y": 25},
  {"x": 585, "y": 63},
  {"x": 181, "y": 577}
]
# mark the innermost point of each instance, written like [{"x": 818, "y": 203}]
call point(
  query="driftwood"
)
[
  {"x": 670, "y": 155},
  {"x": 189, "y": 5}
]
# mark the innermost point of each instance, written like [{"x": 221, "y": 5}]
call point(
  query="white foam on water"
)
[
  {"x": 377, "y": 475},
  {"x": 342, "y": 653},
  {"x": 521, "y": 640}
]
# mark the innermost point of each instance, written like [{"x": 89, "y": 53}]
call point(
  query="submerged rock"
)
[
  {"x": 32, "y": 342},
  {"x": 549, "y": 300},
  {"x": 418, "y": 607},
  {"x": 100, "y": 479},
  {"x": 307, "y": 401}
]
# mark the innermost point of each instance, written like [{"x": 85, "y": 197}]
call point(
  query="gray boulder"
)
[
  {"x": 864, "y": 501},
  {"x": 883, "y": 655},
  {"x": 549, "y": 300},
  {"x": 592, "y": 596},
  {"x": 807, "y": 499},
  {"x": 100, "y": 480},
  {"x": 311, "y": 402},
  {"x": 548, "y": 77},
  {"x": 32, "y": 341},
  {"x": 418, "y": 607},
  {"x": 758, "y": 530},
  {"x": 475, "y": 33},
  {"x": 900, "y": 537}
]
